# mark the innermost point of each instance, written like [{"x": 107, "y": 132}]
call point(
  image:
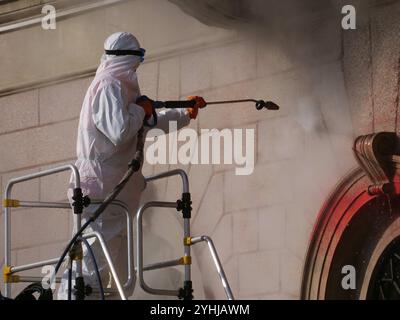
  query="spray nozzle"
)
[{"x": 269, "y": 105}]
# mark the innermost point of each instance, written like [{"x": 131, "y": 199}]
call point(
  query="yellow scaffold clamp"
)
[
  {"x": 10, "y": 203},
  {"x": 76, "y": 252},
  {"x": 186, "y": 260},
  {"x": 8, "y": 276},
  {"x": 187, "y": 241}
]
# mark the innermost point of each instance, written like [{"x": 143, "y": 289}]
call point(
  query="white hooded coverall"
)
[{"x": 109, "y": 122}]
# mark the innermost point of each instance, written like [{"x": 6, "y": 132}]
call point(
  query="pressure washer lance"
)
[{"x": 259, "y": 104}]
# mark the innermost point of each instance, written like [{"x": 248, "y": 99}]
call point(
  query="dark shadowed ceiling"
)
[{"x": 231, "y": 13}]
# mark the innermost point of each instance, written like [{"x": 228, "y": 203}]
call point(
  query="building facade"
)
[{"x": 333, "y": 85}]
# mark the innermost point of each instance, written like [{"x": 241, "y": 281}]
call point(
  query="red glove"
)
[
  {"x": 147, "y": 105},
  {"x": 200, "y": 103}
]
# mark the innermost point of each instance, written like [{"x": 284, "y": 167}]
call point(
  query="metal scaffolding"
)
[{"x": 181, "y": 205}]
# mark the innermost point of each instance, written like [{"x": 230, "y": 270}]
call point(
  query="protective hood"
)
[{"x": 120, "y": 67}]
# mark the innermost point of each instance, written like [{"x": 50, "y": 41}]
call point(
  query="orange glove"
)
[
  {"x": 200, "y": 103},
  {"x": 147, "y": 105}
]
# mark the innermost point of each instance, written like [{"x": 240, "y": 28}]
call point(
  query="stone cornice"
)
[{"x": 31, "y": 15}]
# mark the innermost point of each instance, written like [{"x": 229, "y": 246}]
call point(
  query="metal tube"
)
[
  {"x": 78, "y": 224},
  {"x": 107, "y": 255},
  {"x": 40, "y": 204},
  {"x": 35, "y": 279},
  {"x": 160, "y": 265},
  {"x": 139, "y": 249},
  {"x": 217, "y": 264},
  {"x": 230, "y": 101},
  {"x": 7, "y": 210},
  {"x": 186, "y": 248},
  {"x": 131, "y": 273},
  {"x": 46, "y": 173},
  {"x": 180, "y": 172},
  {"x": 70, "y": 279},
  {"x": 7, "y": 245},
  {"x": 34, "y": 265}
]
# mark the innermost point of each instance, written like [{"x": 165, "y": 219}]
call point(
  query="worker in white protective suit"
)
[{"x": 109, "y": 122}]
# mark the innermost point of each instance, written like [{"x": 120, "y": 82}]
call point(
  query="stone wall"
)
[
  {"x": 261, "y": 223},
  {"x": 371, "y": 64}
]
